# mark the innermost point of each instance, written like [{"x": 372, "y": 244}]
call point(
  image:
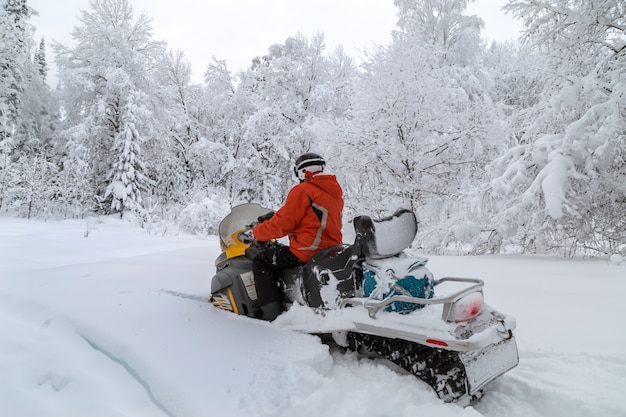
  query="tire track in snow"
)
[{"x": 130, "y": 370}]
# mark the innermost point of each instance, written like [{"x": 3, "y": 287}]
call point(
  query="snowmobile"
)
[{"x": 372, "y": 298}]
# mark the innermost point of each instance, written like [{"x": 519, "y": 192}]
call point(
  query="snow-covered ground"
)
[{"x": 115, "y": 324}]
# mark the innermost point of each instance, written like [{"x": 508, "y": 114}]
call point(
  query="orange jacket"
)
[{"x": 311, "y": 216}]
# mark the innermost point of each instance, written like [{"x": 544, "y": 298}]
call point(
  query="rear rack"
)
[{"x": 374, "y": 306}]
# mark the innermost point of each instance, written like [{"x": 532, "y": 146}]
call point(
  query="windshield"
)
[{"x": 240, "y": 216}]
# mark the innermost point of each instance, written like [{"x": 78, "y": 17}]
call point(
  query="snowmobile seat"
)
[{"x": 388, "y": 236}]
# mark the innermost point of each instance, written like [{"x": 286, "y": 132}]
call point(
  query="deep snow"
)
[{"x": 116, "y": 324}]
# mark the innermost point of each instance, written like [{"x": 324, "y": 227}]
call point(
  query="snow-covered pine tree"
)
[
  {"x": 40, "y": 117},
  {"x": 39, "y": 60},
  {"x": 127, "y": 180},
  {"x": 106, "y": 82},
  {"x": 15, "y": 32}
]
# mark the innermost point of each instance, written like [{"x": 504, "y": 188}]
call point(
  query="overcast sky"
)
[{"x": 239, "y": 30}]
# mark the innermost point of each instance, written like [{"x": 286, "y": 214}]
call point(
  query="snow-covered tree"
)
[
  {"x": 288, "y": 91},
  {"x": 41, "y": 116},
  {"x": 444, "y": 25},
  {"x": 127, "y": 180},
  {"x": 423, "y": 122},
  {"x": 15, "y": 45},
  {"x": 35, "y": 186},
  {"x": 562, "y": 187},
  {"x": 28, "y": 111},
  {"x": 220, "y": 116},
  {"x": 223, "y": 116},
  {"x": 106, "y": 84},
  {"x": 176, "y": 127},
  {"x": 39, "y": 60}
]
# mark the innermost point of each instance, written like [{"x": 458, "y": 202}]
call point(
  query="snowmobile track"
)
[{"x": 441, "y": 369}]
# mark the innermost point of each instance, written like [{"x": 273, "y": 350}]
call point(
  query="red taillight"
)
[
  {"x": 436, "y": 342},
  {"x": 467, "y": 307}
]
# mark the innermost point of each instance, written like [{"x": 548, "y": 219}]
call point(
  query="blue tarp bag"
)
[{"x": 398, "y": 275}]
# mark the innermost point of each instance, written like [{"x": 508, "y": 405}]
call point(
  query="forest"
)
[{"x": 515, "y": 147}]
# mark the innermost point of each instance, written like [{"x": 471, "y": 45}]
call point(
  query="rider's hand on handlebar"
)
[
  {"x": 246, "y": 236},
  {"x": 266, "y": 216}
]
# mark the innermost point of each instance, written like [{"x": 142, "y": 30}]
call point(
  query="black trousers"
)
[{"x": 266, "y": 266}]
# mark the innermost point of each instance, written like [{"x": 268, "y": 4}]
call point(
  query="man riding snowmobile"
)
[
  {"x": 369, "y": 297},
  {"x": 311, "y": 217}
]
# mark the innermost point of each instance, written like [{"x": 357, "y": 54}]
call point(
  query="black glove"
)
[
  {"x": 266, "y": 216},
  {"x": 246, "y": 236}
]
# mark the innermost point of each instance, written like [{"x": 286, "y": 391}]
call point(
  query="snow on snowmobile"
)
[{"x": 373, "y": 298}]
